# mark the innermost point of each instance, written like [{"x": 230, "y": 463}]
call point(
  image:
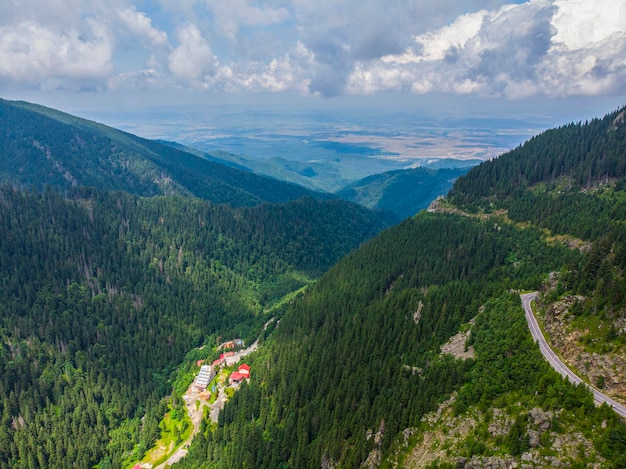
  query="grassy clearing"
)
[{"x": 176, "y": 427}]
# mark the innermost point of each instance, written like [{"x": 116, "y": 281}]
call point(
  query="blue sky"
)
[{"x": 554, "y": 55}]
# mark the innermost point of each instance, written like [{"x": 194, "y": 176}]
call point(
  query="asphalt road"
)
[{"x": 556, "y": 362}]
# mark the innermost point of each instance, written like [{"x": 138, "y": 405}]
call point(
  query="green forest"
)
[
  {"x": 340, "y": 363},
  {"x": 353, "y": 355},
  {"x": 105, "y": 293},
  {"x": 43, "y": 147}
]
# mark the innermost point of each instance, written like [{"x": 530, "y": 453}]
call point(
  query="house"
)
[
  {"x": 217, "y": 362},
  {"x": 236, "y": 377},
  {"x": 199, "y": 363},
  {"x": 244, "y": 370},
  {"x": 235, "y": 343},
  {"x": 227, "y": 354}
]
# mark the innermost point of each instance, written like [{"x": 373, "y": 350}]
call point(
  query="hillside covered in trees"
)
[
  {"x": 402, "y": 192},
  {"x": 353, "y": 375},
  {"x": 105, "y": 290},
  {"x": 103, "y": 294},
  {"x": 40, "y": 146}
]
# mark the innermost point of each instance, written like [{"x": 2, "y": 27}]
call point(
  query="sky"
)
[{"x": 559, "y": 56}]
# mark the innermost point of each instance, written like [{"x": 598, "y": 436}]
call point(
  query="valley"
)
[{"x": 398, "y": 340}]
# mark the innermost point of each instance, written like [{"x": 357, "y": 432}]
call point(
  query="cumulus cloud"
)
[
  {"x": 36, "y": 53},
  {"x": 192, "y": 60},
  {"x": 554, "y": 48},
  {"x": 232, "y": 15},
  {"x": 326, "y": 47},
  {"x": 72, "y": 44},
  {"x": 140, "y": 25}
]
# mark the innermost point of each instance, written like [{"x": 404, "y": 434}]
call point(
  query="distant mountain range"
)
[
  {"x": 402, "y": 192},
  {"x": 44, "y": 147}
]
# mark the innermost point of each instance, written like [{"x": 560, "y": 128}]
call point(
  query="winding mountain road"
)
[{"x": 556, "y": 362}]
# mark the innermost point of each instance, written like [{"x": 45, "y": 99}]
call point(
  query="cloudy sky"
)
[{"x": 557, "y": 51}]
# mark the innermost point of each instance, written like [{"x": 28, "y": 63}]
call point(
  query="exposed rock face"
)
[
  {"x": 541, "y": 419},
  {"x": 376, "y": 455},
  {"x": 500, "y": 423},
  {"x": 445, "y": 436},
  {"x": 607, "y": 368},
  {"x": 457, "y": 345},
  {"x": 373, "y": 459},
  {"x": 418, "y": 313},
  {"x": 481, "y": 462}
]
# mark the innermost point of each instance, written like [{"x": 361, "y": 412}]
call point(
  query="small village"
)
[
  {"x": 208, "y": 393},
  {"x": 209, "y": 372}
]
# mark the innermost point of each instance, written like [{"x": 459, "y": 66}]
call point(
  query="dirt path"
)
[{"x": 195, "y": 407}]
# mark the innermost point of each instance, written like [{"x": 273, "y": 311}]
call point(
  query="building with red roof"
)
[
  {"x": 236, "y": 377},
  {"x": 244, "y": 370}
]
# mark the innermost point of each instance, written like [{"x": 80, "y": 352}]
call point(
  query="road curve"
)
[{"x": 556, "y": 362}]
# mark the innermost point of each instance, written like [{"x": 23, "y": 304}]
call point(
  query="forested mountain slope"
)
[
  {"x": 41, "y": 146},
  {"x": 353, "y": 373},
  {"x": 103, "y": 294},
  {"x": 403, "y": 192},
  {"x": 571, "y": 182},
  {"x": 574, "y": 156}
]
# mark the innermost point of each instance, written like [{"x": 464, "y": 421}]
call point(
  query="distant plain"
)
[{"x": 327, "y": 149}]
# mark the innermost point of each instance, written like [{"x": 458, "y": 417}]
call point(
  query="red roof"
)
[
  {"x": 244, "y": 369},
  {"x": 236, "y": 376},
  {"x": 219, "y": 361}
]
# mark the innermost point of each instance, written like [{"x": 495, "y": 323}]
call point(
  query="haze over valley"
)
[{"x": 333, "y": 147}]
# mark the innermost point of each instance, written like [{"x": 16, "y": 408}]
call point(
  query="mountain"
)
[
  {"x": 327, "y": 175},
  {"x": 413, "y": 351},
  {"x": 576, "y": 156},
  {"x": 402, "y": 192},
  {"x": 102, "y": 295},
  {"x": 41, "y": 146}
]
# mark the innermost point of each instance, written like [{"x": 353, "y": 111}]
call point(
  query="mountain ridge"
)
[
  {"x": 42, "y": 146},
  {"x": 105, "y": 293},
  {"x": 402, "y": 192}
]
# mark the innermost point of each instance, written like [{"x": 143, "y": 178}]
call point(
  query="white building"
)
[{"x": 207, "y": 373}]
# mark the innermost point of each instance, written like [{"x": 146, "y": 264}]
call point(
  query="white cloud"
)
[
  {"x": 434, "y": 45},
  {"x": 139, "y": 80},
  {"x": 33, "y": 52},
  {"x": 58, "y": 13},
  {"x": 554, "y": 48},
  {"x": 580, "y": 23},
  {"x": 193, "y": 59},
  {"x": 140, "y": 25},
  {"x": 326, "y": 47}
]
